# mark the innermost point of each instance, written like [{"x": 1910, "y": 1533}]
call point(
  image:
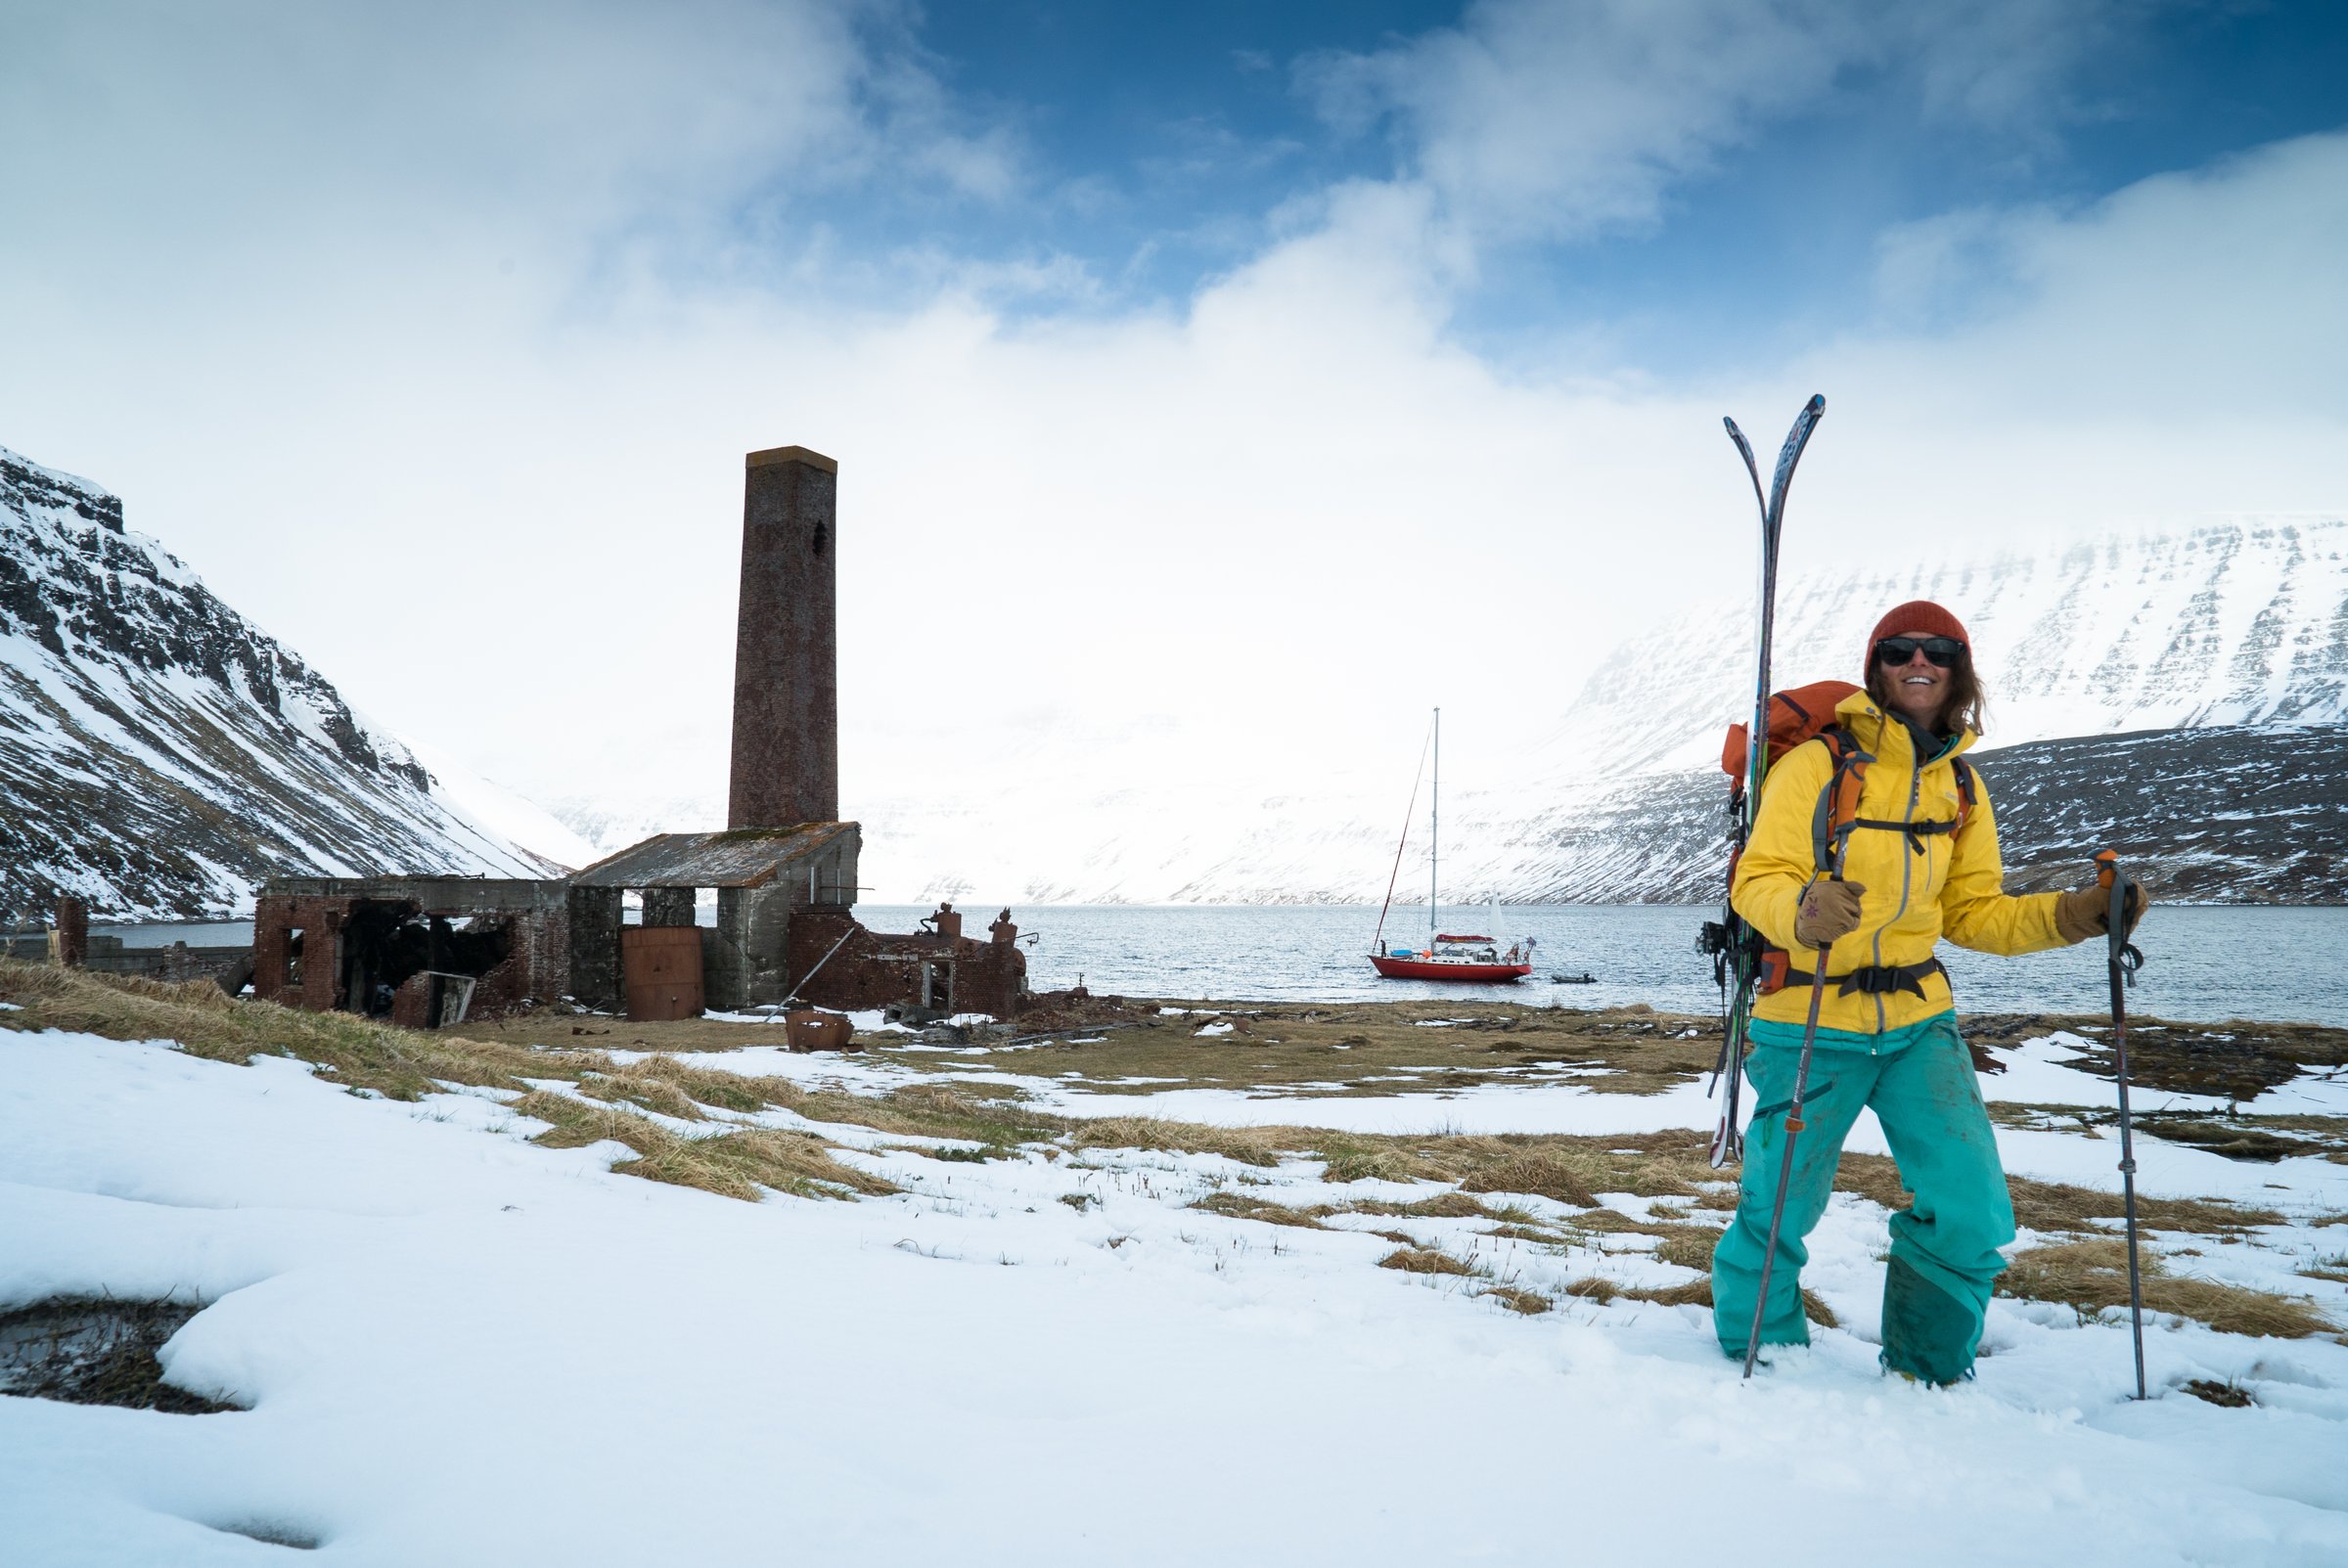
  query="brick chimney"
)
[{"x": 786, "y": 666}]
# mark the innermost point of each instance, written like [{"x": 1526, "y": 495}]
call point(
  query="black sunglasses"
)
[{"x": 1942, "y": 651}]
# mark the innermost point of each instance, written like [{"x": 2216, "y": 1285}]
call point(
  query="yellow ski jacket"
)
[{"x": 1919, "y": 888}]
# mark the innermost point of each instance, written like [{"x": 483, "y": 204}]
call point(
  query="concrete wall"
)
[{"x": 177, "y": 961}]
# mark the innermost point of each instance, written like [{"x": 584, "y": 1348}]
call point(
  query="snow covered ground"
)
[{"x": 461, "y": 1348}]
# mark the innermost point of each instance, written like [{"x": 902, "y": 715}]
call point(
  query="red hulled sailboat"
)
[{"x": 1447, "y": 955}]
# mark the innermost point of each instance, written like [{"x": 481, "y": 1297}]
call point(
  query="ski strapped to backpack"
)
[
  {"x": 1723, "y": 939},
  {"x": 1796, "y": 716}
]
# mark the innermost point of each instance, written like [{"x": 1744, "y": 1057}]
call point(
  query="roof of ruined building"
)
[{"x": 740, "y": 857}]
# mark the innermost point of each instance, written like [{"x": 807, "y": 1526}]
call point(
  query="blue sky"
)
[
  {"x": 1160, "y": 348},
  {"x": 1160, "y": 141}
]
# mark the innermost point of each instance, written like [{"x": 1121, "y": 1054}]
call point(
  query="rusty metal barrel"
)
[{"x": 662, "y": 969}]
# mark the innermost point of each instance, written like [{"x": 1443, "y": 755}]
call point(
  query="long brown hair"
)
[{"x": 1966, "y": 707}]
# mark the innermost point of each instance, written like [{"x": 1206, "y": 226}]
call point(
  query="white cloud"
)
[
  {"x": 1566, "y": 119},
  {"x": 1181, "y": 551}
]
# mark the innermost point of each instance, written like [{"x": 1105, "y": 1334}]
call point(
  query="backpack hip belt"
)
[{"x": 1877, "y": 979}]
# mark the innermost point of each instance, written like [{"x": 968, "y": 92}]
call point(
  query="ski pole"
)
[
  {"x": 1794, "y": 1131},
  {"x": 2123, "y": 961}
]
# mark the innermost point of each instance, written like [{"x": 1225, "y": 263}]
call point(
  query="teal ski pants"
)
[{"x": 1944, "y": 1250}]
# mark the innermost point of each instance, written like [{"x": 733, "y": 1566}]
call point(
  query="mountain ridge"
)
[{"x": 161, "y": 755}]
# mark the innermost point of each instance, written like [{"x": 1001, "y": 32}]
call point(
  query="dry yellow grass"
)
[
  {"x": 738, "y": 1164},
  {"x": 355, "y": 1051},
  {"x": 1543, "y": 1175},
  {"x": 1694, "y": 1293},
  {"x": 2059, "y": 1206},
  {"x": 1243, "y": 1206},
  {"x": 733, "y": 1164},
  {"x": 2092, "y": 1277},
  {"x": 407, "y": 1065},
  {"x": 1442, "y": 1206},
  {"x": 1517, "y": 1298},
  {"x": 744, "y": 1163},
  {"x": 1250, "y": 1145},
  {"x": 1689, "y": 1247},
  {"x": 1425, "y": 1260}
]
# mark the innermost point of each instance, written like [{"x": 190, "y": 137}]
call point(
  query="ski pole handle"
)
[{"x": 2125, "y": 960}]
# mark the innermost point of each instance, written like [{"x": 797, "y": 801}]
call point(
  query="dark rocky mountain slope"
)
[{"x": 159, "y": 754}]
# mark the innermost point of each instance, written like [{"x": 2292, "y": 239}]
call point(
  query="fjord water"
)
[{"x": 2274, "y": 964}]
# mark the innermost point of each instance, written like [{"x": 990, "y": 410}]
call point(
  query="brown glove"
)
[
  {"x": 1828, "y": 912},
  {"x": 2085, "y": 913}
]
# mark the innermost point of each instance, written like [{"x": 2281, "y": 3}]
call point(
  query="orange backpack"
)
[{"x": 1806, "y": 713}]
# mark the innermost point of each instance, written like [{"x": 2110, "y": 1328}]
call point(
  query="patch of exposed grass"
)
[
  {"x": 359, "y": 1053},
  {"x": 579, "y": 1122},
  {"x": 1609, "y": 1221},
  {"x": 738, "y": 1165},
  {"x": 1591, "y": 1287},
  {"x": 644, "y": 1092},
  {"x": 2091, "y": 1278},
  {"x": 1442, "y": 1206},
  {"x": 958, "y": 1156},
  {"x": 724, "y": 1091},
  {"x": 1250, "y": 1145},
  {"x": 1363, "y": 1048},
  {"x": 1694, "y": 1293},
  {"x": 731, "y": 1164},
  {"x": 1873, "y": 1176},
  {"x": 2234, "y": 1137},
  {"x": 1515, "y": 1298},
  {"x": 1245, "y": 1207},
  {"x": 1698, "y": 1293},
  {"x": 2232, "y": 1396},
  {"x": 928, "y": 1110},
  {"x": 2059, "y": 1206},
  {"x": 1425, "y": 1260},
  {"x": 1543, "y": 1175},
  {"x": 1689, "y": 1247}
]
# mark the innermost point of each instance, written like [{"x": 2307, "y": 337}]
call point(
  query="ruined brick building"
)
[{"x": 429, "y": 949}]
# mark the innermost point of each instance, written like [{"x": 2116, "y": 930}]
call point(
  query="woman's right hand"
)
[{"x": 1829, "y": 912}]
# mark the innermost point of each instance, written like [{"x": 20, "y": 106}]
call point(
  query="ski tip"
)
[
  {"x": 1816, "y": 404},
  {"x": 1729, "y": 425}
]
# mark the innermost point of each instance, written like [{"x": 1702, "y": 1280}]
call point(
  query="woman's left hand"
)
[{"x": 2085, "y": 913}]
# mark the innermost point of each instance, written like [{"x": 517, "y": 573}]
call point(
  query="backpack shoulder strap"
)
[
  {"x": 1838, "y": 802},
  {"x": 1969, "y": 791}
]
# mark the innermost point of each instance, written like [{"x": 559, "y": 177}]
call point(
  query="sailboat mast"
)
[{"x": 1434, "y": 803}]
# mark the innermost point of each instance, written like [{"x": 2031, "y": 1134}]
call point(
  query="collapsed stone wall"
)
[{"x": 880, "y": 970}]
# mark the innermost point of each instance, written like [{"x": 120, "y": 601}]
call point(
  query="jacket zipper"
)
[{"x": 1915, "y": 784}]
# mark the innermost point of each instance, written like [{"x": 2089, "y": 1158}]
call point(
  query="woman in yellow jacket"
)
[{"x": 1888, "y": 1026}]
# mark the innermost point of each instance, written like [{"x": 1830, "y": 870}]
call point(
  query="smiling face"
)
[{"x": 1918, "y": 689}]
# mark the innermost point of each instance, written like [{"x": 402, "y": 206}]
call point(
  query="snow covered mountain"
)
[
  {"x": 2242, "y": 623},
  {"x": 159, "y": 754},
  {"x": 2141, "y": 691}
]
